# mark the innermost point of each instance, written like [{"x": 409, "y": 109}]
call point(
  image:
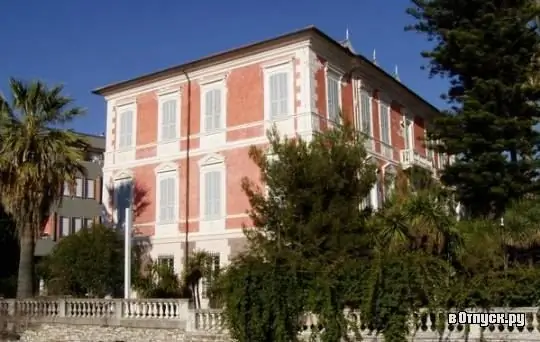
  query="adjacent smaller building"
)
[{"x": 80, "y": 209}]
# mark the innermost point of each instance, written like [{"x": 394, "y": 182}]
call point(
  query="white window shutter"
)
[
  {"x": 208, "y": 115},
  {"x": 170, "y": 199},
  {"x": 163, "y": 195},
  {"x": 283, "y": 86},
  {"x": 217, "y": 194},
  {"x": 279, "y": 94},
  {"x": 168, "y": 120},
  {"x": 128, "y": 128},
  {"x": 385, "y": 124},
  {"x": 217, "y": 108},
  {"x": 366, "y": 113},
  {"x": 208, "y": 194}
]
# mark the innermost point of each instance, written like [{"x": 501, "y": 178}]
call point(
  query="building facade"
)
[
  {"x": 84, "y": 207},
  {"x": 177, "y": 140}
]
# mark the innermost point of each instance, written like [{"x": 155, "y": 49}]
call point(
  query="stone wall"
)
[{"x": 92, "y": 333}]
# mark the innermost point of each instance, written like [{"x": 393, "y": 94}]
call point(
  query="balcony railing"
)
[{"x": 410, "y": 158}]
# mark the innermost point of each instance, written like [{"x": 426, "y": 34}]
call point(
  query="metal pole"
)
[{"x": 127, "y": 253}]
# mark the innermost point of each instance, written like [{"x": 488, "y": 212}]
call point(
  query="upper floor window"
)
[
  {"x": 212, "y": 195},
  {"x": 333, "y": 97},
  {"x": 79, "y": 187},
  {"x": 365, "y": 112},
  {"x": 126, "y": 129},
  {"x": 212, "y": 190},
  {"x": 213, "y": 108},
  {"x": 65, "y": 226},
  {"x": 168, "y": 118},
  {"x": 84, "y": 188},
  {"x": 385, "y": 122},
  {"x": 167, "y": 197},
  {"x": 278, "y": 91}
]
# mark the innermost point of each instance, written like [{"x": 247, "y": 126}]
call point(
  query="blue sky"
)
[{"x": 87, "y": 44}]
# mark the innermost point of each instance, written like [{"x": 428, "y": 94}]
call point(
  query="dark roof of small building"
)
[
  {"x": 96, "y": 141},
  {"x": 44, "y": 247}
]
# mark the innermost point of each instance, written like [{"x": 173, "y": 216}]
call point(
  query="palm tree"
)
[
  {"x": 199, "y": 267},
  {"x": 36, "y": 160}
]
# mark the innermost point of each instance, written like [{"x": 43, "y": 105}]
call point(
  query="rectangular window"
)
[
  {"x": 64, "y": 226},
  {"x": 167, "y": 261},
  {"x": 278, "y": 83},
  {"x": 88, "y": 223},
  {"x": 213, "y": 269},
  {"x": 212, "y": 109},
  {"x": 408, "y": 132},
  {"x": 77, "y": 224},
  {"x": 167, "y": 198},
  {"x": 125, "y": 138},
  {"x": 334, "y": 103},
  {"x": 365, "y": 110},
  {"x": 90, "y": 188},
  {"x": 66, "y": 189},
  {"x": 79, "y": 187},
  {"x": 384, "y": 117},
  {"x": 169, "y": 110},
  {"x": 212, "y": 195}
]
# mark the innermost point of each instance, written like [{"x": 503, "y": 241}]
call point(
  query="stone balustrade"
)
[{"x": 175, "y": 314}]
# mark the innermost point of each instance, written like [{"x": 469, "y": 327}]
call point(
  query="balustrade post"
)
[
  {"x": 11, "y": 306},
  {"x": 118, "y": 305},
  {"x": 62, "y": 307},
  {"x": 183, "y": 309},
  {"x": 191, "y": 320}
]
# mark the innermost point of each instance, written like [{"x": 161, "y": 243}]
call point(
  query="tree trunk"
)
[{"x": 25, "y": 276}]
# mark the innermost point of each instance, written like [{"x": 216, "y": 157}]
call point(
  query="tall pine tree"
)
[{"x": 489, "y": 51}]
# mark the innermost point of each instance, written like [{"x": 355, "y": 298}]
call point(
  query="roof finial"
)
[
  {"x": 396, "y": 73},
  {"x": 374, "y": 57},
  {"x": 347, "y": 33}
]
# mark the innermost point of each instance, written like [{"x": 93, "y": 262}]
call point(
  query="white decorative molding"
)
[
  {"x": 123, "y": 174},
  {"x": 125, "y": 101},
  {"x": 211, "y": 159},
  {"x": 170, "y": 90},
  {"x": 277, "y": 62},
  {"x": 220, "y": 77},
  {"x": 166, "y": 167}
]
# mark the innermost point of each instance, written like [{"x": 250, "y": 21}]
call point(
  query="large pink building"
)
[{"x": 181, "y": 135}]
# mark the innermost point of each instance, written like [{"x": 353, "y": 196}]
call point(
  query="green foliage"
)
[
  {"x": 88, "y": 262},
  {"x": 489, "y": 55},
  {"x": 160, "y": 281},
  {"x": 262, "y": 299},
  {"x": 310, "y": 236},
  {"x": 36, "y": 159}
]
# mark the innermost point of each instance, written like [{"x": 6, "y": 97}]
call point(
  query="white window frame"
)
[
  {"x": 220, "y": 85},
  {"x": 407, "y": 117},
  {"x": 90, "y": 188},
  {"x": 389, "y": 120},
  {"x": 79, "y": 185},
  {"x": 88, "y": 223},
  {"x": 80, "y": 224},
  {"x": 62, "y": 220},
  {"x": 161, "y": 101},
  {"x": 122, "y": 110},
  {"x": 268, "y": 71},
  {"x": 368, "y": 92},
  {"x": 167, "y": 173},
  {"x": 334, "y": 75},
  {"x": 212, "y": 163}
]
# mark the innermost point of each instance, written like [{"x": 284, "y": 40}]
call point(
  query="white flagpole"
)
[{"x": 128, "y": 223}]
